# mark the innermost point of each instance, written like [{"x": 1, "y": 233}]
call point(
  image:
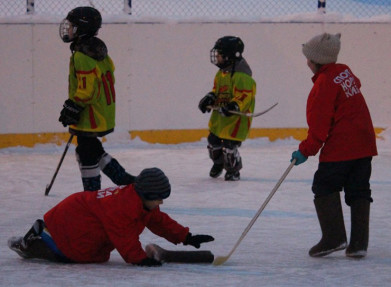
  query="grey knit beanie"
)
[
  {"x": 152, "y": 184},
  {"x": 323, "y": 49}
]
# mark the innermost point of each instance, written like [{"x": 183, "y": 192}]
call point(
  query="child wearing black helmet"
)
[
  {"x": 90, "y": 109},
  {"x": 234, "y": 89}
]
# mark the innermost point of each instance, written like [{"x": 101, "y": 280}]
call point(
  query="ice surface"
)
[{"x": 274, "y": 252}]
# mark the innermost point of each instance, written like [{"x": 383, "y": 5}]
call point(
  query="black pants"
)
[
  {"x": 89, "y": 149},
  {"x": 216, "y": 141},
  {"x": 352, "y": 176}
]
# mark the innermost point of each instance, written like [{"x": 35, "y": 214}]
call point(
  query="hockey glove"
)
[
  {"x": 300, "y": 158},
  {"x": 206, "y": 101},
  {"x": 226, "y": 110},
  {"x": 196, "y": 240},
  {"x": 149, "y": 262},
  {"x": 70, "y": 114}
]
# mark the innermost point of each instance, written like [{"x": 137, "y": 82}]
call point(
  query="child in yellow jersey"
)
[
  {"x": 90, "y": 109},
  {"x": 234, "y": 90}
]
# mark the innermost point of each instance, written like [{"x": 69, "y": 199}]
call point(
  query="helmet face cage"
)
[
  {"x": 213, "y": 56},
  {"x": 230, "y": 48},
  {"x": 67, "y": 31}
]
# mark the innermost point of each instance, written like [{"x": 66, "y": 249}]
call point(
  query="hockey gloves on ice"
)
[
  {"x": 300, "y": 158},
  {"x": 206, "y": 101},
  {"x": 196, "y": 240},
  {"x": 70, "y": 114},
  {"x": 226, "y": 110},
  {"x": 149, "y": 262}
]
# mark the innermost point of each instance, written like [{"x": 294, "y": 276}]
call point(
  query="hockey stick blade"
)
[
  {"x": 47, "y": 190},
  {"x": 222, "y": 259},
  {"x": 250, "y": 115}
]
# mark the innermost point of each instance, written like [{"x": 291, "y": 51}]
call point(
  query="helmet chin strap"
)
[{"x": 233, "y": 68}]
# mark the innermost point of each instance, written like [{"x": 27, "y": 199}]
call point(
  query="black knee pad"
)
[{"x": 216, "y": 153}]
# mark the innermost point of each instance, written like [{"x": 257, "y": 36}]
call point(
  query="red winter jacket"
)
[
  {"x": 87, "y": 226},
  {"x": 338, "y": 117}
]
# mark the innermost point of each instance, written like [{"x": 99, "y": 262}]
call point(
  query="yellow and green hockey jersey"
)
[
  {"x": 240, "y": 88},
  {"x": 91, "y": 85}
]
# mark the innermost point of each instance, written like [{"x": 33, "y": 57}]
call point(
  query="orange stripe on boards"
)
[{"x": 157, "y": 136}]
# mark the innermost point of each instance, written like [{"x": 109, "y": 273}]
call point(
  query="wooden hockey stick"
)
[
  {"x": 245, "y": 114},
  {"x": 49, "y": 186},
  {"x": 221, "y": 259}
]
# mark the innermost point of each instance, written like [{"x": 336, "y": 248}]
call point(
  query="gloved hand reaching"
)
[
  {"x": 149, "y": 262},
  {"x": 231, "y": 106},
  {"x": 70, "y": 114},
  {"x": 206, "y": 101},
  {"x": 196, "y": 240},
  {"x": 300, "y": 158}
]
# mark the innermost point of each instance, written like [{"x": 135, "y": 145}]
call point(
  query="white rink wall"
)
[{"x": 163, "y": 69}]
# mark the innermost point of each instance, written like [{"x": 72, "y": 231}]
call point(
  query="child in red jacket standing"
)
[
  {"x": 105, "y": 220},
  {"x": 340, "y": 126}
]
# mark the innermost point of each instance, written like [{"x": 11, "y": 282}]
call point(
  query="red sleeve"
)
[
  {"x": 320, "y": 114},
  {"x": 163, "y": 225}
]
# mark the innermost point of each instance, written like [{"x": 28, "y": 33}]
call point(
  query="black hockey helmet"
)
[
  {"x": 230, "y": 48},
  {"x": 85, "y": 22}
]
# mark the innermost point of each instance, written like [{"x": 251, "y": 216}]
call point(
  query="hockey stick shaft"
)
[
  {"x": 49, "y": 186},
  {"x": 253, "y": 115},
  {"x": 221, "y": 259}
]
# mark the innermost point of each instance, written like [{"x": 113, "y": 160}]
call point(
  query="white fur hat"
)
[{"x": 323, "y": 49}]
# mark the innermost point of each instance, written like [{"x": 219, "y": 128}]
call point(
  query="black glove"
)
[
  {"x": 231, "y": 106},
  {"x": 208, "y": 100},
  {"x": 196, "y": 240},
  {"x": 70, "y": 114},
  {"x": 149, "y": 262}
]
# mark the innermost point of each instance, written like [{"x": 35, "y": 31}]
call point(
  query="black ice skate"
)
[
  {"x": 16, "y": 244},
  {"x": 232, "y": 176},
  {"x": 216, "y": 170}
]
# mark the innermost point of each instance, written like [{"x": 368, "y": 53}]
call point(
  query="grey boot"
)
[
  {"x": 359, "y": 233},
  {"x": 329, "y": 211}
]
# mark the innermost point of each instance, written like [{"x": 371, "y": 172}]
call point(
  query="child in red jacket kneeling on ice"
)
[{"x": 104, "y": 220}]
